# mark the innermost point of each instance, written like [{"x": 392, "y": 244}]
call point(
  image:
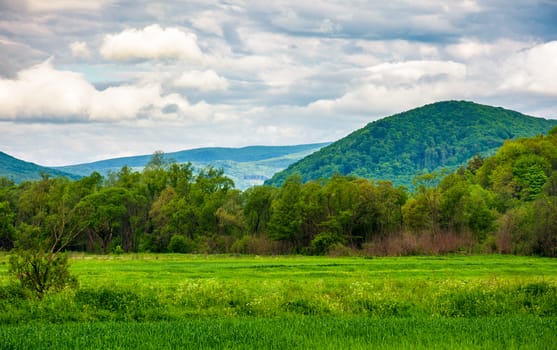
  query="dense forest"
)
[
  {"x": 426, "y": 139},
  {"x": 505, "y": 203}
]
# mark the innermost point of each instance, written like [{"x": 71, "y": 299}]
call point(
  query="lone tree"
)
[{"x": 49, "y": 224}]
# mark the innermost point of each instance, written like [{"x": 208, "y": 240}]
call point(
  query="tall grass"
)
[
  {"x": 290, "y": 333},
  {"x": 285, "y": 293}
]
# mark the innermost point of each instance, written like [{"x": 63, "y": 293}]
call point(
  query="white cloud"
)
[
  {"x": 400, "y": 50},
  {"x": 207, "y": 80},
  {"x": 490, "y": 52},
  {"x": 152, "y": 42},
  {"x": 209, "y": 23},
  {"x": 25, "y": 27},
  {"x": 327, "y": 26},
  {"x": 42, "y": 93},
  {"x": 410, "y": 72},
  {"x": 80, "y": 49},
  {"x": 244, "y": 65},
  {"x": 174, "y": 107},
  {"x": 284, "y": 78},
  {"x": 533, "y": 70},
  {"x": 59, "y": 5},
  {"x": 122, "y": 102},
  {"x": 467, "y": 49},
  {"x": 458, "y": 6},
  {"x": 391, "y": 87},
  {"x": 16, "y": 55}
]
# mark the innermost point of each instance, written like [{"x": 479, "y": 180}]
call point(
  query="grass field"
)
[
  {"x": 290, "y": 333},
  {"x": 184, "y": 301}
]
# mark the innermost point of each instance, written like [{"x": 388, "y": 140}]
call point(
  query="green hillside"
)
[
  {"x": 246, "y": 166},
  {"x": 438, "y": 135},
  {"x": 19, "y": 170}
]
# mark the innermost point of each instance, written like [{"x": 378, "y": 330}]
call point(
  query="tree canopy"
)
[{"x": 505, "y": 203}]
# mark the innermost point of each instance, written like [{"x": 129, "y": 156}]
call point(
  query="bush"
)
[
  {"x": 118, "y": 250},
  {"x": 338, "y": 249},
  {"x": 13, "y": 291},
  {"x": 180, "y": 244},
  {"x": 147, "y": 244},
  {"x": 253, "y": 245},
  {"x": 324, "y": 241},
  {"x": 40, "y": 272}
]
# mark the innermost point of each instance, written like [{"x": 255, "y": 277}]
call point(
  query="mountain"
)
[
  {"x": 19, "y": 170},
  {"x": 439, "y": 135},
  {"x": 247, "y": 166}
]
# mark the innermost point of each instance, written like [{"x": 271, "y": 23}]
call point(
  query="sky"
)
[{"x": 85, "y": 80}]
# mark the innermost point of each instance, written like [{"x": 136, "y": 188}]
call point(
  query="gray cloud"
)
[{"x": 261, "y": 72}]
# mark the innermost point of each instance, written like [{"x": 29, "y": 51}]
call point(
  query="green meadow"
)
[{"x": 197, "y": 301}]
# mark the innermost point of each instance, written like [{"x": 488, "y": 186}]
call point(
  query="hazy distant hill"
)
[
  {"x": 247, "y": 166},
  {"x": 19, "y": 170},
  {"x": 444, "y": 134}
]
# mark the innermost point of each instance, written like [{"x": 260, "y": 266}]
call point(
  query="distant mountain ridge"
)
[
  {"x": 19, "y": 170},
  {"x": 247, "y": 166},
  {"x": 439, "y": 135},
  {"x": 206, "y": 154}
]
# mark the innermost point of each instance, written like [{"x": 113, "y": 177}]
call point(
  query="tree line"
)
[{"x": 506, "y": 203}]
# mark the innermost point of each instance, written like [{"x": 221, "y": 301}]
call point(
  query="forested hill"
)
[
  {"x": 18, "y": 170},
  {"x": 396, "y": 148}
]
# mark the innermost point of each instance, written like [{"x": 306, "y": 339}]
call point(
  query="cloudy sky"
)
[{"x": 82, "y": 80}]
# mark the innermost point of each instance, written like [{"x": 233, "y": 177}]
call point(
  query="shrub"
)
[
  {"x": 253, "y": 245},
  {"x": 118, "y": 250},
  {"x": 406, "y": 243},
  {"x": 338, "y": 249},
  {"x": 324, "y": 241},
  {"x": 40, "y": 272},
  {"x": 180, "y": 244},
  {"x": 13, "y": 291}
]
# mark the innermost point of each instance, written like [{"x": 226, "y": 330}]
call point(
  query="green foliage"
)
[
  {"x": 7, "y": 228},
  {"x": 521, "y": 180},
  {"x": 257, "y": 209},
  {"x": 503, "y": 203},
  {"x": 285, "y": 220},
  {"x": 324, "y": 241},
  {"x": 530, "y": 174},
  {"x": 435, "y": 136},
  {"x": 102, "y": 214},
  {"x": 41, "y": 272},
  {"x": 530, "y": 229},
  {"x": 180, "y": 244},
  {"x": 466, "y": 207},
  {"x": 47, "y": 224},
  {"x": 118, "y": 250},
  {"x": 520, "y": 169}
]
